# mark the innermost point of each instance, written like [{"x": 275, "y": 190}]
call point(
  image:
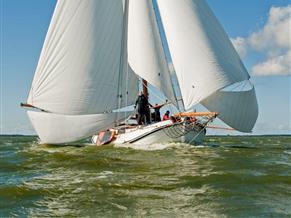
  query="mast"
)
[
  {"x": 123, "y": 53},
  {"x": 145, "y": 88}
]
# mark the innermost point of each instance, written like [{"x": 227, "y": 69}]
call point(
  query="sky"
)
[{"x": 259, "y": 30}]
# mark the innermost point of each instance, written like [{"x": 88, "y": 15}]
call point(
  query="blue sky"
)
[{"x": 247, "y": 22}]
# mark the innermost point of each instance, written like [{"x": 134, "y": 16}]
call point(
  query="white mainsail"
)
[
  {"x": 80, "y": 62},
  {"x": 145, "y": 50},
  {"x": 82, "y": 71},
  {"x": 203, "y": 56},
  {"x": 57, "y": 128}
]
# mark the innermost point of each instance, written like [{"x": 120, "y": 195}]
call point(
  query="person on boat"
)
[
  {"x": 148, "y": 114},
  {"x": 143, "y": 110},
  {"x": 166, "y": 115},
  {"x": 156, "y": 114}
]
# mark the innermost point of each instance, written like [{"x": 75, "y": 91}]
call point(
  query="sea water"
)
[{"x": 228, "y": 176}]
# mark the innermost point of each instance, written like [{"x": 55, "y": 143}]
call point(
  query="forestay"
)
[
  {"x": 79, "y": 68},
  {"x": 237, "y": 109},
  {"x": 145, "y": 50},
  {"x": 203, "y": 56}
]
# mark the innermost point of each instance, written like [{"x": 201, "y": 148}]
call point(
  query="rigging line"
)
[
  {"x": 122, "y": 53},
  {"x": 152, "y": 91},
  {"x": 171, "y": 104},
  {"x": 205, "y": 126},
  {"x": 197, "y": 135},
  {"x": 165, "y": 46},
  {"x": 126, "y": 91}
]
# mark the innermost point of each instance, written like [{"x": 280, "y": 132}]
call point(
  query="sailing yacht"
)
[{"x": 96, "y": 52}]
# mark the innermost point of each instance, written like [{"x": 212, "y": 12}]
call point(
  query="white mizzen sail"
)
[
  {"x": 237, "y": 109},
  {"x": 56, "y": 128},
  {"x": 79, "y": 67},
  {"x": 203, "y": 56},
  {"x": 145, "y": 50}
]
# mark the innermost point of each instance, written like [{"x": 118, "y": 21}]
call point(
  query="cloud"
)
[
  {"x": 273, "y": 40},
  {"x": 276, "y": 32},
  {"x": 279, "y": 65},
  {"x": 240, "y": 45}
]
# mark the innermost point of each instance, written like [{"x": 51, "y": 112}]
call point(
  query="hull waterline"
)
[{"x": 162, "y": 132}]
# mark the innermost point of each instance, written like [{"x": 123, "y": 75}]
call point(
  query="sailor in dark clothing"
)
[
  {"x": 143, "y": 110},
  {"x": 157, "y": 115}
]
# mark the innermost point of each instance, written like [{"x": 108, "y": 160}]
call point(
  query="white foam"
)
[
  {"x": 119, "y": 206},
  {"x": 104, "y": 174},
  {"x": 147, "y": 147}
]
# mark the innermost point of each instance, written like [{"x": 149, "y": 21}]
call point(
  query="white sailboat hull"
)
[
  {"x": 162, "y": 132},
  {"x": 161, "y": 137}
]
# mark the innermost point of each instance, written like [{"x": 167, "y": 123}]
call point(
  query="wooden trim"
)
[
  {"x": 31, "y": 106},
  {"x": 26, "y": 105},
  {"x": 195, "y": 114}
]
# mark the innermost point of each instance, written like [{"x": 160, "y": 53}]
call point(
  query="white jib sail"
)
[
  {"x": 145, "y": 51},
  {"x": 237, "y": 109},
  {"x": 79, "y": 66},
  {"x": 203, "y": 56},
  {"x": 56, "y": 128}
]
